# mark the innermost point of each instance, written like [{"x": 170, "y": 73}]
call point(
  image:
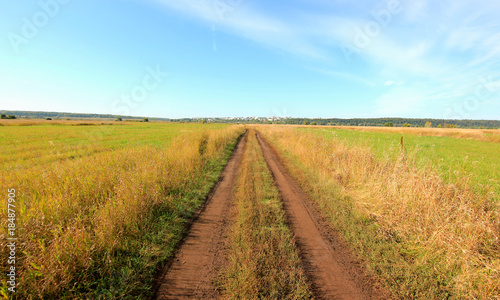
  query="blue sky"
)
[{"x": 220, "y": 58}]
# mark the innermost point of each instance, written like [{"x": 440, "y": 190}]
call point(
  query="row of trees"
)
[
  {"x": 390, "y": 124},
  {"x": 397, "y": 122},
  {"x": 58, "y": 115},
  {"x": 119, "y": 119}
]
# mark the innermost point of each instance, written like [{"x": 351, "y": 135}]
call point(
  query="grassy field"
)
[
  {"x": 100, "y": 207},
  {"x": 451, "y": 155},
  {"x": 423, "y": 234},
  {"x": 26, "y": 144},
  {"x": 264, "y": 262},
  {"x": 487, "y": 135}
]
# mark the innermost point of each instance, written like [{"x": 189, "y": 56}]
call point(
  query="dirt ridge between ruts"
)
[
  {"x": 201, "y": 255},
  {"x": 329, "y": 264}
]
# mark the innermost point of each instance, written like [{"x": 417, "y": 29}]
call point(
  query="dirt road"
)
[
  {"x": 328, "y": 264},
  {"x": 190, "y": 274}
]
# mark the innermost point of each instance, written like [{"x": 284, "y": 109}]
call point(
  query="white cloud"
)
[
  {"x": 431, "y": 51},
  {"x": 250, "y": 24}
]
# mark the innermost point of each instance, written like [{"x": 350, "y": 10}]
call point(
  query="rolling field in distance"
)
[
  {"x": 425, "y": 234},
  {"x": 100, "y": 207}
]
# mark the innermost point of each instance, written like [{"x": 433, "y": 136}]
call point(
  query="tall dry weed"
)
[{"x": 444, "y": 225}]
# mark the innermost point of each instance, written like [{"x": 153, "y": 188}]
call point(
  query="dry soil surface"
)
[
  {"x": 330, "y": 267},
  {"x": 201, "y": 256}
]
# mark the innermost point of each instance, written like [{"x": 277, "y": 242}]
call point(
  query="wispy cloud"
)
[
  {"x": 440, "y": 46},
  {"x": 250, "y": 24}
]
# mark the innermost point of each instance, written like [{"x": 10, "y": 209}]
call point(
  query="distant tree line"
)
[
  {"x": 4, "y": 116},
  {"x": 397, "y": 122},
  {"x": 61, "y": 115},
  {"x": 391, "y": 122}
]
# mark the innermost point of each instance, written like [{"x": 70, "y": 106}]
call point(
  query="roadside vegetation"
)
[
  {"x": 96, "y": 220},
  {"x": 452, "y": 157},
  {"x": 424, "y": 236},
  {"x": 263, "y": 259}
]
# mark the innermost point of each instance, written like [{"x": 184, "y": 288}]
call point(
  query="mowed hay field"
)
[
  {"x": 425, "y": 219},
  {"x": 100, "y": 207}
]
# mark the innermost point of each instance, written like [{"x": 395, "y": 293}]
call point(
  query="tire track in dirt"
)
[
  {"x": 328, "y": 264},
  {"x": 201, "y": 256}
]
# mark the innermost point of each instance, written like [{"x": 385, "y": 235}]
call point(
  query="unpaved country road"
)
[
  {"x": 332, "y": 273},
  {"x": 328, "y": 264},
  {"x": 190, "y": 274}
]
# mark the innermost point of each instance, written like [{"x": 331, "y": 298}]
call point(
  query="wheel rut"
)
[
  {"x": 328, "y": 262},
  {"x": 329, "y": 266},
  {"x": 201, "y": 256}
]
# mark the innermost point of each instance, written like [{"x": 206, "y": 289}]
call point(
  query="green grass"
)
[
  {"x": 27, "y": 146},
  {"x": 453, "y": 157}
]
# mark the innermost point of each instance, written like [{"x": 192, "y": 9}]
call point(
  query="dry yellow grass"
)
[
  {"x": 32, "y": 122},
  {"x": 442, "y": 230},
  {"x": 487, "y": 135},
  {"x": 88, "y": 225},
  {"x": 264, "y": 261}
]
